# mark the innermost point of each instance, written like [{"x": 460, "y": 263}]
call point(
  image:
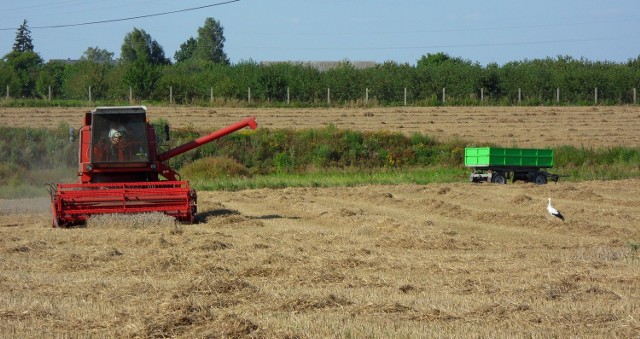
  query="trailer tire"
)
[
  {"x": 498, "y": 178},
  {"x": 540, "y": 179}
]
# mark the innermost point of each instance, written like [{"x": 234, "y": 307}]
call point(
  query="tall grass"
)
[
  {"x": 335, "y": 177},
  {"x": 31, "y": 158}
]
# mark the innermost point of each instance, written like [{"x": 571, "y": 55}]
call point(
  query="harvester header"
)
[{"x": 122, "y": 171}]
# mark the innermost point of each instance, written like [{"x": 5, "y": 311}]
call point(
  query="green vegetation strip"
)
[
  {"x": 334, "y": 178},
  {"x": 30, "y": 159}
]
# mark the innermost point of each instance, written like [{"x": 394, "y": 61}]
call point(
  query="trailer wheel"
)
[
  {"x": 540, "y": 179},
  {"x": 498, "y": 178}
]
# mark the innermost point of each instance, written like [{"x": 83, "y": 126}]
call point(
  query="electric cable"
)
[{"x": 128, "y": 18}]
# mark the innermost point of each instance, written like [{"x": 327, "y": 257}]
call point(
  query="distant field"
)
[{"x": 507, "y": 126}]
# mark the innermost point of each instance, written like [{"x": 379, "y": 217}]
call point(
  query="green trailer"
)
[{"x": 498, "y": 165}]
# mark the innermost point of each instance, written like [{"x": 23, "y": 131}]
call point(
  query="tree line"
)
[{"x": 201, "y": 71}]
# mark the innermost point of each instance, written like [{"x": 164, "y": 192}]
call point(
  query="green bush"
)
[{"x": 214, "y": 167}]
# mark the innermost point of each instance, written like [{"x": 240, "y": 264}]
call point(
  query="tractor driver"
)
[{"x": 116, "y": 149}]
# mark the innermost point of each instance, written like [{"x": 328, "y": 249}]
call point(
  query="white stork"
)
[{"x": 554, "y": 211}]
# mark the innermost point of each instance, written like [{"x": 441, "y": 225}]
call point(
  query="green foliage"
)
[
  {"x": 23, "y": 69},
  {"x": 278, "y": 158},
  {"x": 289, "y": 151},
  {"x": 211, "y": 42},
  {"x": 197, "y": 80},
  {"x": 139, "y": 46},
  {"x": 23, "y": 42},
  {"x": 211, "y": 168},
  {"x": 96, "y": 54},
  {"x": 186, "y": 51},
  {"x": 51, "y": 77},
  {"x": 83, "y": 75},
  {"x": 345, "y": 83},
  {"x": 572, "y": 157},
  {"x": 142, "y": 76}
]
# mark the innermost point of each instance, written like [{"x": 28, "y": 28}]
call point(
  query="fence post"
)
[
  {"x": 634, "y": 96},
  {"x": 7, "y": 92},
  {"x": 405, "y": 96},
  {"x": 211, "y": 96},
  {"x": 366, "y": 96},
  {"x": 595, "y": 94},
  {"x": 328, "y": 96},
  {"x": 443, "y": 95},
  {"x": 558, "y": 95},
  {"x": 170, "y": 95},
  {"x": 482, "y": 94},
  {"x": 130, "y": 95},
  {"x": 249, "y": 94},
  {"x": 519, "y": 96},
  {"x": 90, "y": 94},
  {"x": 288, "y": 98},
  {"x": 49, "y": 96}
]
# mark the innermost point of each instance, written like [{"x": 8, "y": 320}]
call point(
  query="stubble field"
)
[
  {"x": 441, "y": 260},
  {"x": 597, "y": 126}
]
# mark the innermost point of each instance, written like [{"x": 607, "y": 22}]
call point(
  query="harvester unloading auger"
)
[{"x": 121, "y": 169}]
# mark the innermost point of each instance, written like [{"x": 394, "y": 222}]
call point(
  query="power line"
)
[{"x": 127, "y": 19}]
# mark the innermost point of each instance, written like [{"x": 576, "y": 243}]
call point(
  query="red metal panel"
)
[{"x": 74, "y": 203}]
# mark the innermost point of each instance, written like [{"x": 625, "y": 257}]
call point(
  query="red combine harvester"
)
[{"x": 121, "y": 169}]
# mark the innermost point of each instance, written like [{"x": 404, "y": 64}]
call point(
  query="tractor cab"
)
[
  {"x": 119, "y": 135},
  {"x": 117, "y": 145}
]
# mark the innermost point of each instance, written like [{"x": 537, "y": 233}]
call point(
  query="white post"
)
[
  {"x": 288, "y": 98},
  {"x": 170, "y": 95},
  {"x": 595, "y": 94},
  {"x": 90, "y": 94},
  {"x": 328, "y": 96},
  {"x": 366, "y": 96},
  {"x": 634, "y": 96},
  {"x": 482, "y": 94},
  {"x": 443, "y": 95},
  {"x": 405, "y": 96},
  {"x": 130, "y": 95},
  {"x": 211, "y": 96},
  {"x": 558, "y": 94},
  {"x": 249, "y": 94},
  {"x": 519, "y": 95},
  {"x": 49, "y": 93}
]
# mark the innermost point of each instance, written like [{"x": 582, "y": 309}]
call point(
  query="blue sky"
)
[{"x": 333, "y": 30}]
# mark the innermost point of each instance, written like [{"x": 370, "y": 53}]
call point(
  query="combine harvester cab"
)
[{"x": 121, "y": 169}]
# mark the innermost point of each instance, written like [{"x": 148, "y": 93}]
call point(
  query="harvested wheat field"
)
[
  {"x": 597, "y": 126},
  {"x": 440, "y": 260}
]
